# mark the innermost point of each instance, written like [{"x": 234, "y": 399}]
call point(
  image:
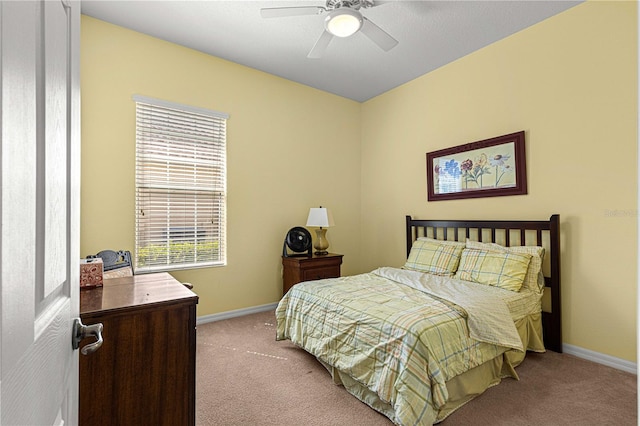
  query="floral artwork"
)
[
  {"x": 476, "y": 171},
  {"x": 485, "y": 168}
]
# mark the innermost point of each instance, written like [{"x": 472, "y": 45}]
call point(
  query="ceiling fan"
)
[{"x": 343, "y": 20}]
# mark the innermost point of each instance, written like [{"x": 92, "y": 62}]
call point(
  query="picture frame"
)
[{"x": 487, "y": 168}]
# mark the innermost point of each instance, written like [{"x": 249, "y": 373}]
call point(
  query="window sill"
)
[{"x": 183, "y": 267}]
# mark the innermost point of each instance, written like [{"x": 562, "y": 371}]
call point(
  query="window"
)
[{"x": 180, "y": 186}]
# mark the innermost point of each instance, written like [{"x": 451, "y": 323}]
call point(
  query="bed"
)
[{"x": 417, "y": 342}]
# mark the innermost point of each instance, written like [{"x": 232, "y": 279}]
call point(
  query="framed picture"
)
[{"x": 488, "y": 168}]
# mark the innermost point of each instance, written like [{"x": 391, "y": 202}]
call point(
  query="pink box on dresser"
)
[{"x": 91, "y": 273}]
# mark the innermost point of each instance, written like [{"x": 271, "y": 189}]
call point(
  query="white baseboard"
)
[
  {"x": 608, "y": 360},
  {"x": 236, "y": 313}
]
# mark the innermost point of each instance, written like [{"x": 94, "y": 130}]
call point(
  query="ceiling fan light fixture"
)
[{"x": 343, "y": 22}]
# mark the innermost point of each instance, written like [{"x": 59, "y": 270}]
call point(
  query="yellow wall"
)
[
  {"x": 278, "y": 146},
  {"x": 570, "y": 83}
]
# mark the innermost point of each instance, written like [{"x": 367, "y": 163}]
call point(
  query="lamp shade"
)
[{"x": 320, "y": 216}]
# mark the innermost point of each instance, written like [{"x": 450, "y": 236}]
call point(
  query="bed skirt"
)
[{"x": 464, "y": 387}]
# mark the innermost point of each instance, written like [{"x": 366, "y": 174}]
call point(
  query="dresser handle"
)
[{"x": 81, "y": 331}]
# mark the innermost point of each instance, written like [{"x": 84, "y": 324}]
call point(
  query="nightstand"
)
[{"x": 304, "y": 268}]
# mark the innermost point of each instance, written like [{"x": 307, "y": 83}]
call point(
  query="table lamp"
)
[{"x": 320, "y": 217}]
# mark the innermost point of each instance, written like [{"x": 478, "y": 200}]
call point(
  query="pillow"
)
[
  {"x": 504, "y": 270},
  {"x": 443, "y": 242},
  {"x": 534, "y": 280},
  {"x": 434, "y": 256}
]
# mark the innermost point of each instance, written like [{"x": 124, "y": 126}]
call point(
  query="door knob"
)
[{"x": 81, "y": 331}]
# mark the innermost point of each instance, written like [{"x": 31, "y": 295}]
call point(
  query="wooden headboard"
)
[{"x": 545, "y": 233}]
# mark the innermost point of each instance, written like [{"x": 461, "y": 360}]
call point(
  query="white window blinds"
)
[{"x": 180, "y": 186}]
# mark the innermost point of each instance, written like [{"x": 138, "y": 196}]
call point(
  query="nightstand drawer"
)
[{"x": 320, "y": 273}]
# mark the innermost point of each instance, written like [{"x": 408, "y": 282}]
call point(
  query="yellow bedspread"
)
[{"x": 391, "y": 337}]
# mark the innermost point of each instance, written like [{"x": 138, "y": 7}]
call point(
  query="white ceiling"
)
[{"x": 430, "y": 34}]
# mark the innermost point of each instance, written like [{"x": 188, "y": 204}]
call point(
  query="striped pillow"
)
[
  {"x": 504, "y": 270},
  {"x": 434, "y": 257},
  {"x": 534, "y": 280}
]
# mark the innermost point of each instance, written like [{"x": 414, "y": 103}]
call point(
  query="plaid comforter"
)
[{"x": 395, "y": 339}]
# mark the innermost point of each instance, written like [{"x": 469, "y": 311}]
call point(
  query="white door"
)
[{"x": 39, "y": 207}]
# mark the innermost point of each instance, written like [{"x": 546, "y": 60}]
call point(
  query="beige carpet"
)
[{"x": 245, "y": 377}]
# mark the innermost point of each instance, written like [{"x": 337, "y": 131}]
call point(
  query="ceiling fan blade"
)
[
  {"x": 279, "y": 12},
  {"x": 373, "y": 3},
  {"x": 321, "y": 45},
  {"x": 378, "y": 35}
]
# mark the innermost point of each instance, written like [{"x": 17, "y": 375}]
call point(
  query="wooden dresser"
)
[
  {"x": 144, "y": 373},
  {"x": 304, "y": 268}
]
